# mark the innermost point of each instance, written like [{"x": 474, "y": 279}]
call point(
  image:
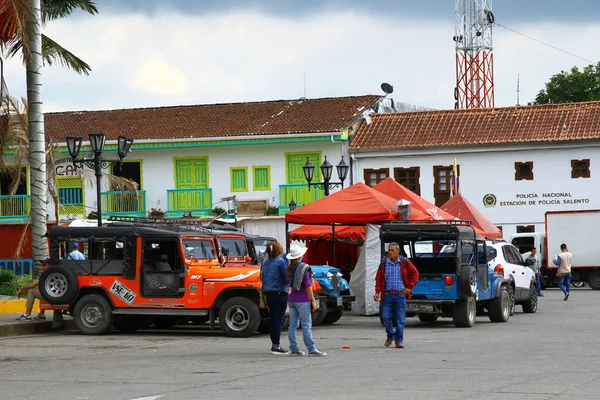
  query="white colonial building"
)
[
  {"x": 187, "y": 159},
  {"x": 514, "y": 163}
]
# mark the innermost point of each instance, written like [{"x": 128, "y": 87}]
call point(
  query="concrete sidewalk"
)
[{"x": 9, "y": 326}]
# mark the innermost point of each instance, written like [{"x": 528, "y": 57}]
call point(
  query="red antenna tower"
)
[{"x": 474, "y": 56}]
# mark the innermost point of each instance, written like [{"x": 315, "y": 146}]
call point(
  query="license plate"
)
[
  {"x": 419, "y": 307},
  {"x": 339, "y": 301},
  {"x": 122, "y": 292}
]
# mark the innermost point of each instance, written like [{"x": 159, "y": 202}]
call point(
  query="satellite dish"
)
[{"x": 387, "y": 88}]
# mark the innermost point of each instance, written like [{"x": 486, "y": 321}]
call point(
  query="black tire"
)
[
  {"x": 427, "y": 317},
  {"x": 239, "y": 317},
  {"x": 593, "y": 279},
  {"x": 463, "y": 312},
  {"x": 318, "y": 316},
  {"x": 531, "y": 305},
  {"x": 93, "y": 315},
  {"x": 468, "y": 281},
  {"x": 334, "y": 316},
  {"x": 511, "y": 297},
  {"x": 58, "y": 285},
  {"x": 499, "y": 307},
  {"x": 578, "y": 284}
]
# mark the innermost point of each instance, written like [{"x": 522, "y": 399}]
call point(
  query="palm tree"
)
[{"x": 20, "y": 30}]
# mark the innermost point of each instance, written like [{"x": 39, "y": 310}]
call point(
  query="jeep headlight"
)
[
  {"x": 338, "y": 274},
  {"x": 329, "y": 275}
]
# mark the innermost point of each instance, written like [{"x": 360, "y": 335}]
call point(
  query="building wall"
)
[{"x": 491, "y": 171}]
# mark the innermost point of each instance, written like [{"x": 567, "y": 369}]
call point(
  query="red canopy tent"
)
[
  {"x": 357, "y": 204},
  {"x": 464, "y": 210},
  {"x": 346, "y": 212},
  {"x": 395, "y": 190}
]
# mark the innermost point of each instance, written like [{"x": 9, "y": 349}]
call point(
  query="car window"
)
[
  {"x": 199, "y": 249},
  {"x": 233, "y": 247},
  {"x": 510, "y": 256},
  {"x": 516, "y": 255}
]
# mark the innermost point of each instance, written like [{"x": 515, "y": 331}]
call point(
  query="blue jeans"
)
[
  {"x": 564, "y": 282},
  {"x": 277, "y": 302},
  {"x": 301, "y": 313},
  {"x": 538, "y": 283},
  {"x": 394, "y": 307}
]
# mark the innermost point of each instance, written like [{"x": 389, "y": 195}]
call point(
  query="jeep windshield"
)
[
  {"x": 199, "y": 249},
  {"x": 232, "y": 246}
]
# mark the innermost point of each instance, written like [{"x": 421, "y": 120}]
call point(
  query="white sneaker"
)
[{"x": 317, "y": 353}]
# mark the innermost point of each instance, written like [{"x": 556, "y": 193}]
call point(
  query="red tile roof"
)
[
  {"x": 539, "y": 123},
  {"x": 213, "y": 120}
]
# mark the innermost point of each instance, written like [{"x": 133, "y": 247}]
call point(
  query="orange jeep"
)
[{"x": 134, "y": 275}]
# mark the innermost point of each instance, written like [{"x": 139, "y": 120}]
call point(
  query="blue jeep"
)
[
  {"x": 331, "y": 300},
  {"x": 455, "y": 280}
]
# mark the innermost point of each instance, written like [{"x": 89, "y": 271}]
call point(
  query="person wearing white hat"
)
[{"x": 301, "y": 302}]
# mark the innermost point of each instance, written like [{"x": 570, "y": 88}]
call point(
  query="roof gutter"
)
[
  {"x": 227, "y": 138},
  {"x": 487, "y": 148}
]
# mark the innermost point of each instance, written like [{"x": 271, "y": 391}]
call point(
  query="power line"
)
[{"x": 545, "y": 44}]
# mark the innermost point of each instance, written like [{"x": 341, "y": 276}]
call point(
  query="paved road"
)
[{"x": 554, "y": 354}]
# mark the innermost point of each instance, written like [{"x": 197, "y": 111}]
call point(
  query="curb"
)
[
  {"x": 32, "y": 328},
  {"x": 16, "y": 306}
]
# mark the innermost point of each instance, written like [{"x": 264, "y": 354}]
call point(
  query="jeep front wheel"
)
[
  {"x": 463, "y": 312},
  {"x": 93, "y": 315},
  {"x": 318, "y": 316},
  {"x": 239, "y": 317},
  {"x": 499, "y": 307},
  {"x": 333, "y": 316},
  {"x": 58, "y": 285}
]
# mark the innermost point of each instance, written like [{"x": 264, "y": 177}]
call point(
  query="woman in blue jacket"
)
[{"x": 274, "y": 286}]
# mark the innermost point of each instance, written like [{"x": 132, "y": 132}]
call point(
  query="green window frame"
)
[
  {"x": 261, "y": 177},
  {"x": 238, "y": 177}
]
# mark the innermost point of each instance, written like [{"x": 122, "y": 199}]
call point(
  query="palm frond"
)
[
  {"x": 57, "y": 9},
  {"x": 16, "y": 15},
  {"x": 53, "y": 52}
]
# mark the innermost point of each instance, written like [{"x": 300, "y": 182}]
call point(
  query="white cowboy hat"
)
[{"x": 296, "y": 252}]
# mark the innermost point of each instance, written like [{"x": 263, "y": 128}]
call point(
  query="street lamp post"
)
[
  {"x": 326, "y": 169},
  {"x": 97, "y": 141}
]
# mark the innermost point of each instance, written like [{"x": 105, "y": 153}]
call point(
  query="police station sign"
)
[{"x": 535, "y": 199}]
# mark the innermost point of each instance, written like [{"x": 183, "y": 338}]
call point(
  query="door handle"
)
[
  {"x": 522, "y": 273},
  {"x": 514, "y": 272}
]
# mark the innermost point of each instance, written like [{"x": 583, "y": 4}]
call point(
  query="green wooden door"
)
[
  {"x": 191, "y": 173},
  {"x": 295, "y": 162}
]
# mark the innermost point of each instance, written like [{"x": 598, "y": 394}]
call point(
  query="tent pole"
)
[
  {"x": 287, "y": 237},
  {"x": 333, "y": 239}
]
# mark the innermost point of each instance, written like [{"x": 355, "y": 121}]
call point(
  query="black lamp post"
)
[
  {"x": 97, "y": 141},
  {"x": 326, "y": 169}
]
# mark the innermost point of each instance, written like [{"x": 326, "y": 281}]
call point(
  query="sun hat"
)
[{"x": 296, "y": 252}]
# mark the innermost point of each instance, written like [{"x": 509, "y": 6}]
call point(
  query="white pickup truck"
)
[{"x": 579, "y": 231}]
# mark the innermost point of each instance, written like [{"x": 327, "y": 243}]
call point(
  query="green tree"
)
[
  {"x": 21, "y": 32},
  {"x": 573, "y": 86}
]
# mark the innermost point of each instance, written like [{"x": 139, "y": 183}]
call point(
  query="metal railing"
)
[
  {"x": 299, "y": 193},
  {"x": 21, "y": 266},
  {"x": 15, "y": 208},
  {"x": 132, "y": 203},
  {"x": 198, "y": 202}
]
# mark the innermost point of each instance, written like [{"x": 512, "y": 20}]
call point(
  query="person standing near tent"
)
[
  {"x": 273, "y": 273},
  {"x": 395, "y": 278},
  {"x": 301, "y": 302}
]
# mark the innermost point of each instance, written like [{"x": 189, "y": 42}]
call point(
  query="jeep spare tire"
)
[
  {"x": 58, "y": 285},
  {"x": 468, "y": 281},
  {"x": 239, "y": 317}
]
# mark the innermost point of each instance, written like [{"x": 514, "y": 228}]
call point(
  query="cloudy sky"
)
[{"x": 170, "y": 52}]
